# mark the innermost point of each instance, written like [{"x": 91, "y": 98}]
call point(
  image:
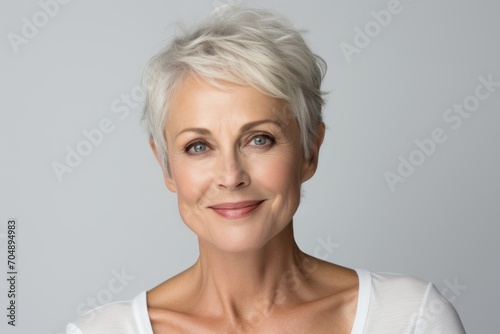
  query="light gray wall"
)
[{"x": 112, "y": 212}]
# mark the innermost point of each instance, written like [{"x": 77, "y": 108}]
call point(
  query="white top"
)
[{"x": 387, "y": 304}]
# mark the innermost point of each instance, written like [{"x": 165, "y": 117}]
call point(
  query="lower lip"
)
[{"x": 236, "y": 213}]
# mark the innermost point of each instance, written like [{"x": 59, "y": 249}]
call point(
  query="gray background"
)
[{"x": 112, "y": 213}]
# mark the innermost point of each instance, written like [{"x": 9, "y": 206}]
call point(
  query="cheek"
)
[
  {"x": 191, "y": 179},
  {"x": 278, "y": 172}
]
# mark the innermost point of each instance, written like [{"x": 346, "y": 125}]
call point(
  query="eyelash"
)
[{"x": 270, "y": 138}]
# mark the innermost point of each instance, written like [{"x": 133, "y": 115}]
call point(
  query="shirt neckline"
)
[
  {"x": 364, "y": 295},
  {"x": 141, "y": 314}
]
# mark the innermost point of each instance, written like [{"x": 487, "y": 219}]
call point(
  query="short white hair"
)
[{"x": 247, "y": 46}]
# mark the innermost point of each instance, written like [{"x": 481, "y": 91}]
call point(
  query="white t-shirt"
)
[{"x": 387, "y": 304}]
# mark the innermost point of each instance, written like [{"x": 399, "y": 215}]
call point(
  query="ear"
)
[
  {"x": 310, "y": 165},
  {"x": 169, "y": 182}
]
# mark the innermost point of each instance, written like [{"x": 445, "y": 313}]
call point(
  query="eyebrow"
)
[{"x": 245, "y": 127}]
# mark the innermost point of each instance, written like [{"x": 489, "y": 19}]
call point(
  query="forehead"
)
[{"x": 195, "y": 102}]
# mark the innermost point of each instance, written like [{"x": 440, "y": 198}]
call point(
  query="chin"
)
[
  {"x": 241, "y": 239},
  {"x": 237, "y": 235}
]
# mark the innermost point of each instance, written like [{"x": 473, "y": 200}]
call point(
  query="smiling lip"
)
[{"x": 236, "y": 210}]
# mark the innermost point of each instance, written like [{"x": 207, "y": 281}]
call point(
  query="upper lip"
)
[{"x": 235, "y": 205}]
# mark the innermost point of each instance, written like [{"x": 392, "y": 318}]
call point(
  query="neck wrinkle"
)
[{"x": 240, "y": 285}]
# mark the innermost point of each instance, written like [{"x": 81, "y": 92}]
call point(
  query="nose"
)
[{"x": 231, "y": 173}]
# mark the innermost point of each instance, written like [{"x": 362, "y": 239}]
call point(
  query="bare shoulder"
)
[
  {"x": 172, "y": 294},
  {"x": 170, "y": 305},
  {"x": 324, "y": 302},
  {"x": 337, "y": 288},
  {"x": 334, "y": 279}
]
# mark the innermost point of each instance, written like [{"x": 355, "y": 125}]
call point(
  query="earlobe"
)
[
  {"x": 310, "y": 165},
  {"x": 169, "y": 182}
]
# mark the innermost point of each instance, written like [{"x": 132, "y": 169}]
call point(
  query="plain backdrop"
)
[{"x": 109, "y": 229}]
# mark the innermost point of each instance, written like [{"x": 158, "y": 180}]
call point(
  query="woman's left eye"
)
[{"x": 262, "y": 140}]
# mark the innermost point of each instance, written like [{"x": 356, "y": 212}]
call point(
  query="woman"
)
[{"x": 234, "y": 115}]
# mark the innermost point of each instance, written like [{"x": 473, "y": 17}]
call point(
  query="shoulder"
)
[
  {"x": 390, "y": 286},
  {"x": 409, "y": 304},
  {"x": 118, "y": 317}
]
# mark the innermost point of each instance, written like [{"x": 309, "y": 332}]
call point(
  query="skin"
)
[{"x": 235, "y": 144}]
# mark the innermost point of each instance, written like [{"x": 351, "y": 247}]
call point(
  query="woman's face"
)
[{"x": 236, "y": 163}]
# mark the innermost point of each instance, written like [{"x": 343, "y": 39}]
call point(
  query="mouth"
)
[{"x": 236, "y": 210}]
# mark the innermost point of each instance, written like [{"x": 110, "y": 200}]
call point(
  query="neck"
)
[{"x": 241, "y": 282}]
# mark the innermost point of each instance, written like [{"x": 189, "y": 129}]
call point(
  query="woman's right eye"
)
[{"x": 196, "y": 148}]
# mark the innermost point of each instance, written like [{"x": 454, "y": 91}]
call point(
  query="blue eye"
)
[
  {"x": 262, "y": 140},
  {"x": 259, "y": 140},
  {"x": 196, "y": 148},
  {"x": 199, "y": 148}
]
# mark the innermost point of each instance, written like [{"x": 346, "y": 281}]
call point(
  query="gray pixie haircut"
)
[{"x": 247, "y": 46}]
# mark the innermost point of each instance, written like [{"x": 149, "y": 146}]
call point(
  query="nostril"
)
[{"x": 233, "y": 179}]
